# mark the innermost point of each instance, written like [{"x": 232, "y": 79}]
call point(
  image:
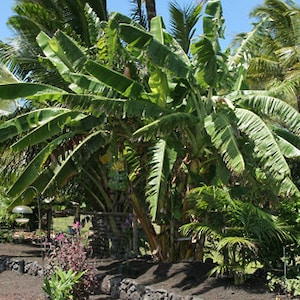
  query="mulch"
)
[{"x": 183, "y": 278}]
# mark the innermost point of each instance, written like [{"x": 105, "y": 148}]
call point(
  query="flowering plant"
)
[{"x": 71, "y": 254}]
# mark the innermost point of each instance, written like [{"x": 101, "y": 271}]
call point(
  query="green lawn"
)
[{"x": 61, "y": 224}]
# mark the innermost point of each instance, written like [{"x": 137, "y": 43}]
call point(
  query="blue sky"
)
[{"x": 236, "y": 14}]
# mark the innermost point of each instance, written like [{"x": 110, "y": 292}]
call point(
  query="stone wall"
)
[
  {"x": 21, "y": 266},
  {"x": 114, "y": 286},
  {"x": 127, "y": 289}
]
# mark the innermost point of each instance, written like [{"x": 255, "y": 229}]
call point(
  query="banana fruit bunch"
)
[{"x": 118, "y": 180}]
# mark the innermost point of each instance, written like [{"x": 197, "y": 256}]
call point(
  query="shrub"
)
[
  {"x": 284, "y": 285},
  {"x": 71, "y": 254}
]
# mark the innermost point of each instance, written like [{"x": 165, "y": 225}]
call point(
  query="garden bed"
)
[{"x": 183, "y": 280}]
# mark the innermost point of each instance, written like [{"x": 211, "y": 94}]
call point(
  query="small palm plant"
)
[{"x": 237, "y": 235}]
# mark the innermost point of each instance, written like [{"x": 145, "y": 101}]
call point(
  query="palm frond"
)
[
  {"x": 248, "y": 41},
  {"x": 183, "y": 21},
  {"x": 138, "y": 12},
  {"x": 236, "y": 243}
]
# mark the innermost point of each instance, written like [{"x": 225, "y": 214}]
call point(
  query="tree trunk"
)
[
  {"x": 148, "y": 228},
  {"x": 151, "y": 10}
]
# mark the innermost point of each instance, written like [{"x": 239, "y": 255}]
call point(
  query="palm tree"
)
[
  {"x": 239, "y": 236},
  {"x": 79, "y": 19},
  {"x": 274, "y": 65},
  {"x": 151, "y": 10},
  {"x": 183, "y": 21}
]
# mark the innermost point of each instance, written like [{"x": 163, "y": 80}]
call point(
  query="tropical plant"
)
[
  {"x": 79, "y": 19},
  {"x": 283, "y": 285},
  {"x": 183, "y": 21},
  {"x": 273, "y": 65},
  {"x": 59, "y": 285},
  {"x": 239, "y": 236},
  {"x": 177, "y": 122}
]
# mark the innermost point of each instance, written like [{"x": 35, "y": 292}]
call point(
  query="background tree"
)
[{"x": 274, "y": 65}]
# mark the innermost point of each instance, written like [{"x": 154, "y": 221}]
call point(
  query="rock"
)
[
  {"x": 173, "y": 296},
  {"x": 110, "y": 285}
]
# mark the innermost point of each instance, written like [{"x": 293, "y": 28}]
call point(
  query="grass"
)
[{"x": 61, "y": 224}]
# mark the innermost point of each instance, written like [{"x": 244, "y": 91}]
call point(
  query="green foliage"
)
[
  {"x": 239, "y": 236},
  {"x": 60, "y": 284},
  {"x": 291, "y": 286},
  {"x": 6, "y": 223}
]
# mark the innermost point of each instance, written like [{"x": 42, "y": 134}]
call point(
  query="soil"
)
[{"x": 183, "y": 278}]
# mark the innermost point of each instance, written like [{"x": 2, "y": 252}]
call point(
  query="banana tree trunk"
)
[{"x": 148, "y": 228}]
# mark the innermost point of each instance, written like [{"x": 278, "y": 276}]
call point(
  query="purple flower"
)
[
  {"x": 77, "y": 226},
  {"x": 60, "y": 237}
]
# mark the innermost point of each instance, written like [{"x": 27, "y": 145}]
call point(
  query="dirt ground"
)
[{"x": 182, "y": 278}]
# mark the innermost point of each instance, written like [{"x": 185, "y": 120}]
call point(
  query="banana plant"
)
[{"x": 183, "y": 118}]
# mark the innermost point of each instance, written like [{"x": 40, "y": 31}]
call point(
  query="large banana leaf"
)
[
  {"x": 223, "y": 136},
  {"x": 288, "y": 150},
  {"x": 125, "y": 86},
  {"x": 35, "y": 167},
  {"x": 166, "y": 124},
  {"x": 48, "y": 128},
  {"x": 157, "y": 29},
  {"x": 157, "y": 181},
  {"x": 31, "y": 91},
  {"x": 77, "y": 158},
  {"x": 213, "y": 21},
  {"x": 25, "y": 122},
  {"x": 161, "y": 55},
  {"x": 137, "y": 108},
  {"x": 64, "y": 53},
  {"x": 274, "y": 108},
  {"x": 206, "y": 60},
  {"x": 40, "y": 182},
  {"x": 266, "y": 149}
]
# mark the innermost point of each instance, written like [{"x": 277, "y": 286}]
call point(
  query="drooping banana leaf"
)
[
  {"x": 48, "y": 129},
  {"x": 266, "y": 149},
  {"x": 287, "y": 149},
  {"x": 31, "y": 91},
  {"x": 125, "y": 86},
  {"x": 77, "y": 158},
  {"x": 261, "y": 103},
  {"x": 35, "y": 167},
  {"x": 223, "y": 136},
  {"x": 23, "y": 123},
  {"x": 161, "y": 55}
]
